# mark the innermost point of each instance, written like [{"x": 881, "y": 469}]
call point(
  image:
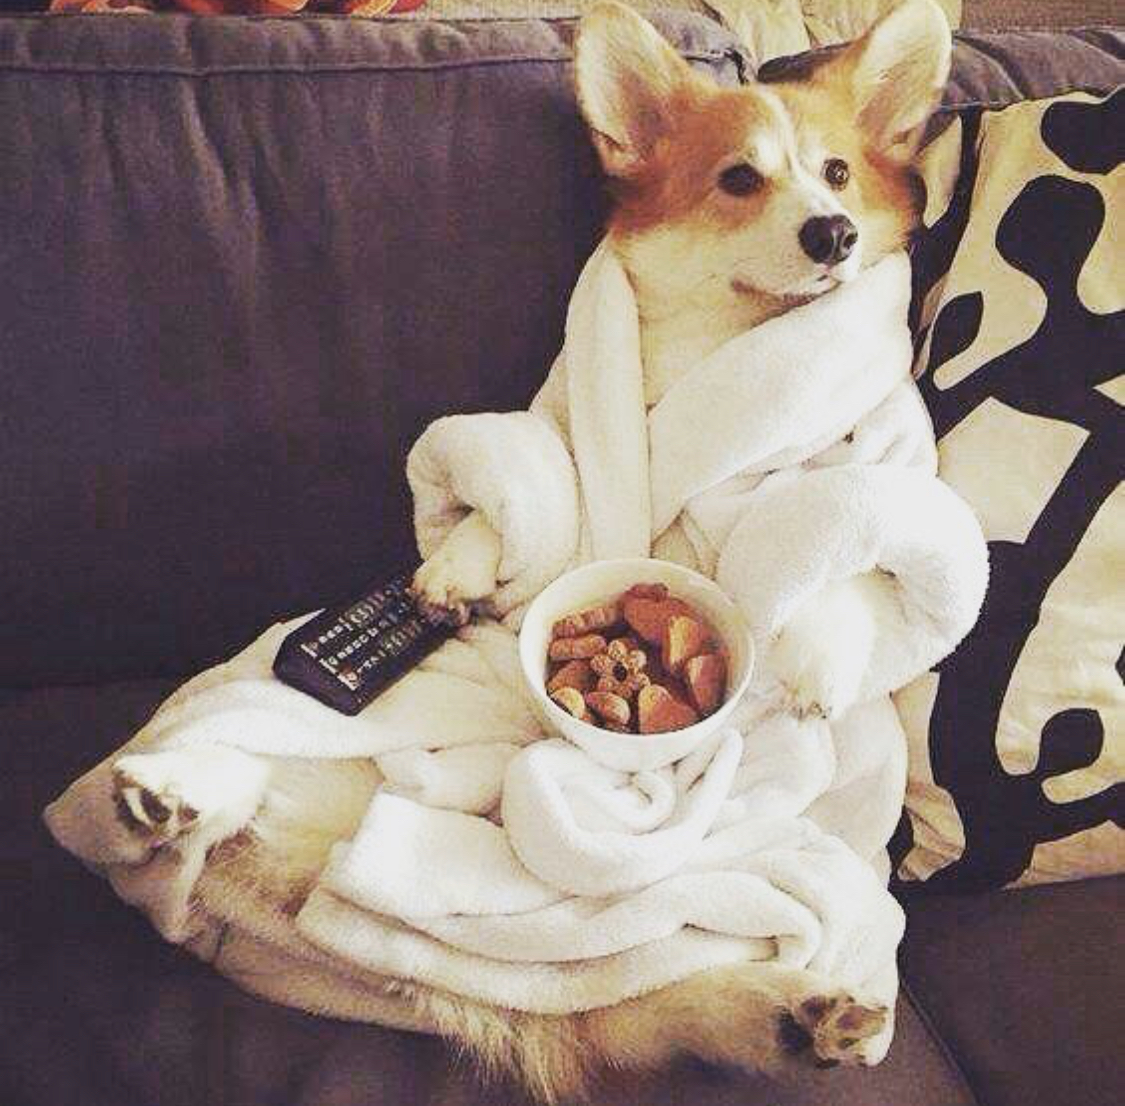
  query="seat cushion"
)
[
  {"x": 1025, "y": 989},
  {"x": 98, "y": 1011}
]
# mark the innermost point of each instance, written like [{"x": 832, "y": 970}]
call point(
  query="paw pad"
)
[
  {"x": 837, "y": 1027},
  {"x": 158, "y": 814}
]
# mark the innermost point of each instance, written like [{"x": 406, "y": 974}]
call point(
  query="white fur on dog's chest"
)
[{"x": 674, "y": 344}]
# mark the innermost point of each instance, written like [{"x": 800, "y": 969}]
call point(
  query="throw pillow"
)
[{"x": 1017, "y": 742}]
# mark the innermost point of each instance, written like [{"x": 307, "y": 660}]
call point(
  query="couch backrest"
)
[{"x": 244, "y": 262}]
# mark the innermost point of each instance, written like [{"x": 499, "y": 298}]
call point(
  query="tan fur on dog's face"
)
[
  {"x": 881, "y": 194},
  {"x": 677, "y": 212},
  {"x": 714, "y": 183}
]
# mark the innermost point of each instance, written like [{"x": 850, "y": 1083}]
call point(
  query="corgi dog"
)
[{"x": 731, "y": 206}]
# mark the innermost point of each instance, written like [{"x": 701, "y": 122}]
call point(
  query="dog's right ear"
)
[{"x": 627, "y": 77}]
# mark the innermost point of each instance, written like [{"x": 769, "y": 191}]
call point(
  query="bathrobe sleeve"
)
[
  {"x": 806, "y": 528},
  {"x": 897, "y": 432},
  {"x": 514, "y": 468}
]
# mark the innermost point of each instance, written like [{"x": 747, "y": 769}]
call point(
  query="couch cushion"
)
[
  {"x": 998, "y": 14},
  {"x": 245, "y": 262},
  {"x": 992, "y": 69},
  {"x": 97, "y": 1011},
  {"x": 1025, "y": 989}
]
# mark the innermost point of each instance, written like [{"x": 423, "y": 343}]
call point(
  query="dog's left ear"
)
[{"x": 896, "y": 73}]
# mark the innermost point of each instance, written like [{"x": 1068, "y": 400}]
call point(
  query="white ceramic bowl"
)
[{"x": 604, "y": 580}]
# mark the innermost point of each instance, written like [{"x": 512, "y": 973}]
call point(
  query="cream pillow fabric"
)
[{"x": 1017, "y": 743}]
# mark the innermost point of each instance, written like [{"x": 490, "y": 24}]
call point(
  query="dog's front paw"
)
[
  {"x": 834, "y": 1029},
  {"x": 824, "y": 653},
  {"x": 444, "y": 593},
  {"x": 818, "y": 678},
  {"x": 461, "y": 575},
  {"x": 150, "y": 800},
  {"x": 811, "y": 694}
]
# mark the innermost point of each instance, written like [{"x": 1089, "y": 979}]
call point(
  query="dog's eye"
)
[
  {"x": 740, "y": 180},
  {"x": 836, "y": 172}
]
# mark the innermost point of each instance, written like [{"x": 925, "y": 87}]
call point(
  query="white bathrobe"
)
[{"x": 501, "y": 863}]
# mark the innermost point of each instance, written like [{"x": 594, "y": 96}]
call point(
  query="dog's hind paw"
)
[
  {"x": 209, "y": 791},
  {"x": 834, "y": 1028},
  {"x": 149, "y": 800}
]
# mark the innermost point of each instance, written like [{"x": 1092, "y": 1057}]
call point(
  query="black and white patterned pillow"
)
[{"x": 1017, "y": 742}]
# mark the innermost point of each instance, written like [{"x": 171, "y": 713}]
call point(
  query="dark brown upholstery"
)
[
  {"x": 246, "y": 261},
  {"x": 1025, "y": 989}
]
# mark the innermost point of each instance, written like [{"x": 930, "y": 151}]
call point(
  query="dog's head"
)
[{"x": 780, "y": 188}]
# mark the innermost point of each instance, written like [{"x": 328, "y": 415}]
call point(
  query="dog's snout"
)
[{"x": 828, "y": 239}]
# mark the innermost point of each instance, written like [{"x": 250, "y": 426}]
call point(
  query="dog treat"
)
[
  {"x": 659, "y": 711},
  {"x": 647, "y": 591},
  {"x": 576, "y": 648},
  {"x": 614, "y": 711},
  {"x": 621, "y": 668},
  {"x": 587, "y": 621},
  {"x": 684, "y": 638},
  {"x": 706, "y": 679},
  {"x": 649, "y": 617},
  {"x": 653, "y": 665},
  {"x": 573, "y": 674},
  {"x": 572, "y": 701}
]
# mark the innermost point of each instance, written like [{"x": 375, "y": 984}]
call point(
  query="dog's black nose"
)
[{"x": 828, "y": 239}]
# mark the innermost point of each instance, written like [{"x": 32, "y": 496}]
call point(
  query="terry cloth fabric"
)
[{"x": 505, "y": 865}]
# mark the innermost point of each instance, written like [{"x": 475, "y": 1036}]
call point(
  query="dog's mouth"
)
[
  {"x": 813, "y": 279},
  {"x": 822, "y": 282},
  {"x": 825, "y": 278},
  {"x": 809, "y": 287},
  {"x": 826, "y": 281}
]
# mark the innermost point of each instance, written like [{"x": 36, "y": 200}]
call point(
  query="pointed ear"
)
[
  {"x": 897, "y": 71},
  {"x": 627, "y": 76}
]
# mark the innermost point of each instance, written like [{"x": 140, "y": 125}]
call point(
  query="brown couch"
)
[{"x": 244, "y": 262}]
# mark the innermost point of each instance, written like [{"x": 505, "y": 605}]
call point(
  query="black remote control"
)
[{"x": 347, "y": 655}]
